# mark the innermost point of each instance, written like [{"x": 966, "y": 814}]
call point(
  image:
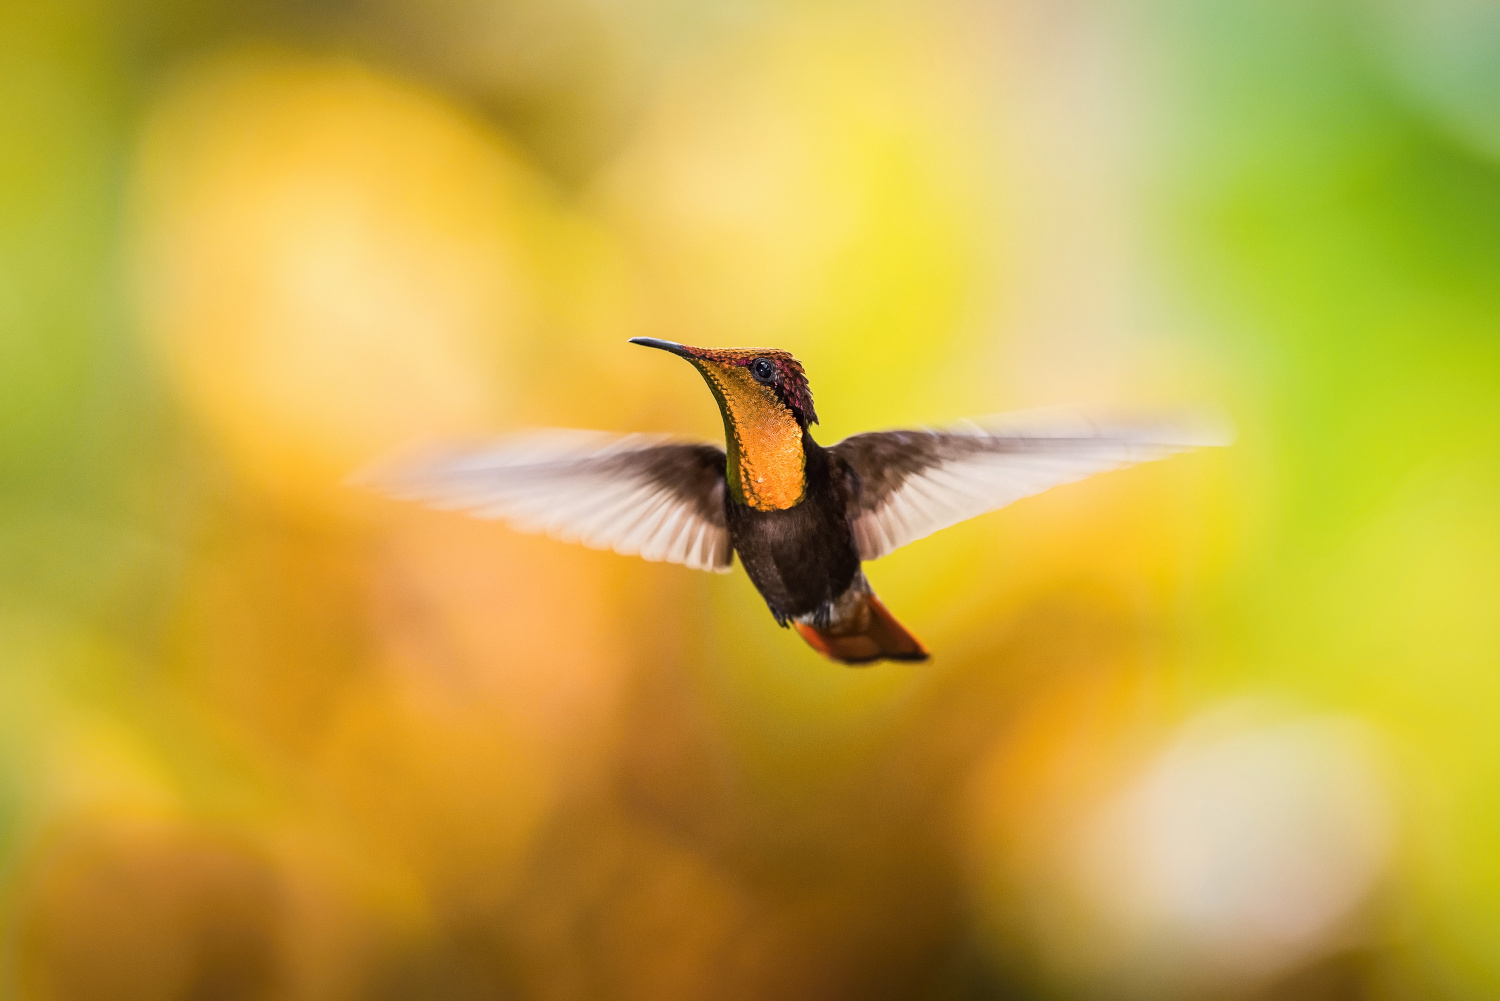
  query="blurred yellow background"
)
[{"x": 1218, "y": 727}]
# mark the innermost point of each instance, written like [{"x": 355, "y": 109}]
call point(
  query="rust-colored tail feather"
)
[{"x": 864, "y": 638}]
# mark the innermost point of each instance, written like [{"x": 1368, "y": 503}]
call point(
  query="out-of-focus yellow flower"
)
[{"x": 332, "y": 262}]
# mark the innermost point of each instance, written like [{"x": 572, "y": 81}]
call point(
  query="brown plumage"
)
[{"x": 801, "y": 517}]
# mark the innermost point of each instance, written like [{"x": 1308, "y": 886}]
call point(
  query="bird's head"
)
[{"x": 755, "y": 387}]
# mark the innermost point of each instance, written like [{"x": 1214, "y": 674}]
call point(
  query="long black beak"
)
[{"x": 655, "y": 342}]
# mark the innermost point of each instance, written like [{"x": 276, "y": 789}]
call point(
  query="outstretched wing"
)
[
  {"x": 640, "y": 495},
  {"x": 909, "y": 484}
]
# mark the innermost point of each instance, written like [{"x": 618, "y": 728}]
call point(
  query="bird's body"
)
[
  {"x": 801, "y": 558},
  {"x": 801, "y": 517}
]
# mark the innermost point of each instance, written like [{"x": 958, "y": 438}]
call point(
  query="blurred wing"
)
[
  {"x": 638, "y": 495},
  {"x": 909, "y": 484}
]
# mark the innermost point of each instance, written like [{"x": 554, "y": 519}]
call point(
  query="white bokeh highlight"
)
[{"x": 1245, "y": 847}]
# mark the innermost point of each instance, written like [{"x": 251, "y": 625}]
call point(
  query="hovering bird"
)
[{"x": 803, "y": 518}]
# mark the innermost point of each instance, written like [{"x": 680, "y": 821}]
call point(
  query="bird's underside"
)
[{"x": 668, "y": 500}]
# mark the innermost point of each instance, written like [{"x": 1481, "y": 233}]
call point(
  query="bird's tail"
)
[{"x": 866, "y": 632}]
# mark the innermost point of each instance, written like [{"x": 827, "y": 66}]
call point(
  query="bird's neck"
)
[{"x": 767, "y": 459}]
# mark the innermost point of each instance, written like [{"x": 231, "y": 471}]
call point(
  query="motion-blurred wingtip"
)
[
  {"x": 399, "y": 476},
  {"x": 1206, "y": 427},
  {"x": 1210, "y": 429}
]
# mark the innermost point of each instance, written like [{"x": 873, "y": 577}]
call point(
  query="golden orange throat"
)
[
  {"x": 770, "y": 464},
  {"x": 766, "y": 463}
]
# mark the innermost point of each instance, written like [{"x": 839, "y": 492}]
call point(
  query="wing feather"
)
[
  {"x": 908, "y": 484},
  {"x": 636, "y": 494}
]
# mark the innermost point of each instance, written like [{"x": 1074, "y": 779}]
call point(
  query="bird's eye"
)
[{"x": 764, "y": 370}]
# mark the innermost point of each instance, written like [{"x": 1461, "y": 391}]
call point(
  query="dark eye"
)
[{"x": 764, "y": 370}]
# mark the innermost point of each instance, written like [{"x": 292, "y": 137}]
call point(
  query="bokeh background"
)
[{"x": 1219, "y": 727}]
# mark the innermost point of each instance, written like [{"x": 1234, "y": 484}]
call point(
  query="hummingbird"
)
[{"x": 802, "y": 518}]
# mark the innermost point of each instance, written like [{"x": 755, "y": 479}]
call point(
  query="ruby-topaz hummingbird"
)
[{"x": 803, "y": 518}]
